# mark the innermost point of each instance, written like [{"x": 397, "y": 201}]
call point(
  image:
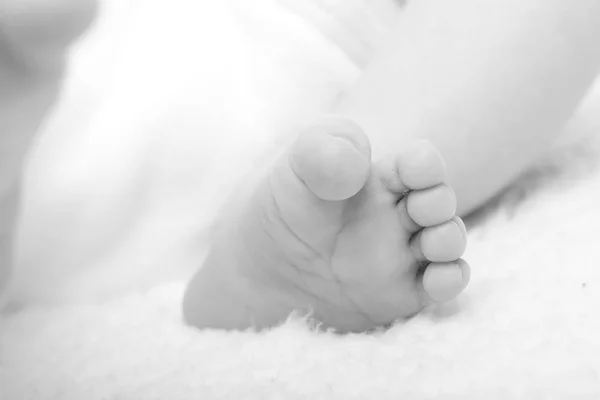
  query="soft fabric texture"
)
[{"x": 155, "y": 128}]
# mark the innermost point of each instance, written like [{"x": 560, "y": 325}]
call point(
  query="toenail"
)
[{"x": 443, "y": 281}]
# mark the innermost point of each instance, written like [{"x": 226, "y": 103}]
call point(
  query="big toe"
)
[{"x": 332, "y": 158}]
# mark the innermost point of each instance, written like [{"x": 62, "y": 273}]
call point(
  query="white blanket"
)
[{"x": 167, "y": 104}]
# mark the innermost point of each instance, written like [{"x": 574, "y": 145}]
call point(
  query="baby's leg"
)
[
  {"x": 490, "y": 83},
  {"x": 34, "y": 36}
]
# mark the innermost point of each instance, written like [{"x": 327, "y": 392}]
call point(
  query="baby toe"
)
[
  {"x": 420, "y": 166},
  {"x": 440, "y": 243},
  {"x": 332, "y": 158},
  {"x": 432, "y": 206},
  {"x": 444, "y": 281}
]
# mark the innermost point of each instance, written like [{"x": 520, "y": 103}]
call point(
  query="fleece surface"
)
[{"x": 528, "y": 326}]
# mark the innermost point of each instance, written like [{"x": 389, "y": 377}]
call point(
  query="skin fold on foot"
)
[{"x": 356, "y": 244}]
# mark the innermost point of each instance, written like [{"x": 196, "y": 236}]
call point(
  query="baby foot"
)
[{"x": 358, "y": 245}]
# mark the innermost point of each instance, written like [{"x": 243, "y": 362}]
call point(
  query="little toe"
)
[
  {"x": 440, "y": 243},
  {"x": 332, "y": 158},
  {"x": 432, "y": 206},
  {"x": 444, "y": 281}
]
